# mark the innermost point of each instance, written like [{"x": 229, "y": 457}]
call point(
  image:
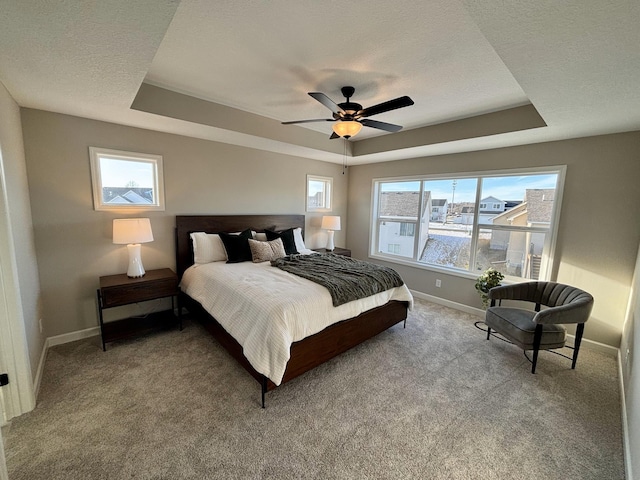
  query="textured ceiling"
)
[
  {"x": 483, "y": 74},
  {"x": 265, "y": 60}
]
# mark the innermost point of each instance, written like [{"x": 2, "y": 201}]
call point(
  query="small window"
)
[
  {"x": 319, "y": 191},
  {"x": 393, "y": 248},
  {"x": 126, "y": 180},
  {"x": 407, "y": 229}
]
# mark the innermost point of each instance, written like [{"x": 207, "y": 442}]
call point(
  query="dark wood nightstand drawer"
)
[{"x": 119, "y": 290}]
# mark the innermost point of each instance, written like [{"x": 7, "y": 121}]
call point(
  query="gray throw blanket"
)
[{"x": 346, "y": 279}]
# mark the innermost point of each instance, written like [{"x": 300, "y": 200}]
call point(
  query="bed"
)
[{"x": 303, "y": 354}]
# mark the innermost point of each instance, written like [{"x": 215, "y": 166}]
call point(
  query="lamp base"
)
[
  {"x": 136, "y": 270},
  {"x": 330, "y": 245}
]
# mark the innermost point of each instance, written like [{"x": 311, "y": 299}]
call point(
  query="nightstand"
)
[
  {"x": 118, "y": 290},
  {"x": 338, "y": 251}
]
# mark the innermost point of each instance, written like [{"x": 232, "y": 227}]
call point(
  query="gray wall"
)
[
  {"x": 599, "y": 228},
  {"x": 73, "y": 241}
]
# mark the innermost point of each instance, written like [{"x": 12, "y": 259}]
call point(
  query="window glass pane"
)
[
  {"x": 398, "y": 210},
  {"x": 318, "y": 193},
  {"x": 523, "y": 200},
  {"x": 127, "y": 182},
  {"x": 513, "y": 253},
  {"x": 451, "y": 200},
  {"x": 450, "y": 223}
]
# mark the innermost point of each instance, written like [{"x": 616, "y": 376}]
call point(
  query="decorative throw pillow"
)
[
  {"x": 207, "y": 247},
  {"x": 287, "y": 239},
  {"x": 237, "y": 246},
  {"x": 266, "y": 251}
]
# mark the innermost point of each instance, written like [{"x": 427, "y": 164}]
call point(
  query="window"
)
[
  {"x": 393, "y": 248},
  {"x": 319, "y": 191},
  {"x": 407, "y": 229},
  {"x": 515, "y": 236},
  {"x": 126, "y": 180}
]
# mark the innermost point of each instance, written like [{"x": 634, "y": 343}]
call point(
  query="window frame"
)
[
  {"x": 327, "y": 204},
  {"x": 97, "y": 153},
  {"x": 548, "y": 260}
]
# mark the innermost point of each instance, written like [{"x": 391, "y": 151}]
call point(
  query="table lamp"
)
[
  {"x": 330, "y": 223},
  {"x": 132, "y": 232}
]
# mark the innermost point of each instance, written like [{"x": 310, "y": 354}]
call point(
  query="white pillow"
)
[
  {"x": 207, "y": 248},
  {"x": 297, "y": 237},
  {"x": 260, "y": 236}
]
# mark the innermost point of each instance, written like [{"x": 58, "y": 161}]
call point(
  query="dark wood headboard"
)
[{"x": 187, "y": 224}]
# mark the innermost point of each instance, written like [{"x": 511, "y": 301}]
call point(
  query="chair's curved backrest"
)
[{"x": 566, "y": 304}]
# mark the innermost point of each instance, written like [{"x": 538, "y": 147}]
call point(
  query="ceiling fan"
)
[{"x": 350, "y": 116}]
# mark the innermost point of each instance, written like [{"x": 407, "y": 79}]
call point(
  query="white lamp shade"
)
[
  {"x": 330, "y": 222},
  {"x": 132, "y": 230}
]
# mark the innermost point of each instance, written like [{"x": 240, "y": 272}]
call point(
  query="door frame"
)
[{"x": 19, "y": 395}]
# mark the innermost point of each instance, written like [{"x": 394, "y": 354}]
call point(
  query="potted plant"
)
[{"x": 485, "y": 282}]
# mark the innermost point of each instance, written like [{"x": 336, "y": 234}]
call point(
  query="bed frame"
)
[{"x": 305, "y": 354}]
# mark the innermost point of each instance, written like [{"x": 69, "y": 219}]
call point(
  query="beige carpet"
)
[{"x": 432, "y": 401}]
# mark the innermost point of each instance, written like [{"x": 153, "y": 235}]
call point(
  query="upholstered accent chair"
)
[{"x": 539, "y": 329}]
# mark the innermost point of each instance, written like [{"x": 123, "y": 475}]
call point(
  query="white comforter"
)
[{"x": 266, "y": 309}]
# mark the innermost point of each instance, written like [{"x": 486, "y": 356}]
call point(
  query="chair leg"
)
[
  {"x": 488, "y": 332},
  {"x": 576, "y": 346},
  {"x": 537, "y": 338}
]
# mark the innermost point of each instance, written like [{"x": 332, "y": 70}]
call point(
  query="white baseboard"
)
[
  {"x": 625, "y": 423},
  {"x": 38, "y": 378},
  {"x": 597, "y": 346},
  {"x": 478, "y": 312},
  {"x": 73, "y": 336},
  {"x": 586, "y": 343},
  {"x": 59, "y": 340}
]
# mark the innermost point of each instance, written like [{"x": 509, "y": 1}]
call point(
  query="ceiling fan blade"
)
[
  {"x": 327, "y": 102},
  {"x": 334, "y": 135},
  {"x": 388, "y": 127},
  {"x": 309, "y": 121},
  {"x": 385, "y": 106}
]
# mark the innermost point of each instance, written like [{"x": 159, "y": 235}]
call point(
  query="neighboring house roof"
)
[
  {"x": 506, "y": 217},
  {"x": 540, "y": 204},
  {"x": 491, "y": 200},
  {"x": 511, "y": 203},
  {"x": 402, "y": 204},
  {"x": 467, "y": 210},
  {"x": 438, "y": 202},
  {"x": 123, "y": 195},
  {"x": 117, "y": 200}
]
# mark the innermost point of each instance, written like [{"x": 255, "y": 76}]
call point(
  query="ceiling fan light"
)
[{"x": 347, "y": 128}]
